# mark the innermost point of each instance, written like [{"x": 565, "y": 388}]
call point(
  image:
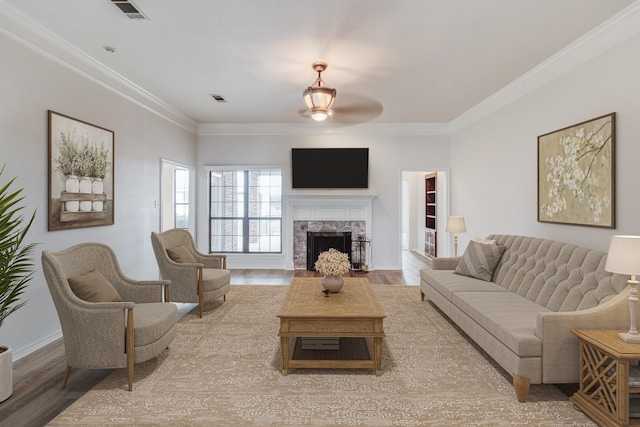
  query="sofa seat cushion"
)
[
  {"x": 151, "y": 321},
  {"x": 215, "y": 278},
  {"x": 510, "y": 318},
  {"x": 446, "y": 283}
]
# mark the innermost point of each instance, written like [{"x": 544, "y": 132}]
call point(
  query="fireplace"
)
[
  {"x": 327, "y": 212},
  {"x": 318, "y": 242}
]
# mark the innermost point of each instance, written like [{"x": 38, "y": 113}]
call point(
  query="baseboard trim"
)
[{"x": 25, "y": 351}]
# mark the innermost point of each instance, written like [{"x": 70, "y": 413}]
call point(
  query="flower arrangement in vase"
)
[{"x": 332, "y": 264}]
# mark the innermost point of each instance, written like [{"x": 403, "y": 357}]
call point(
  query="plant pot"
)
[
  {"x": 84, "y": 185},
  {"x": 6, "y": 373},
  {"x": 72, "y": 185}
]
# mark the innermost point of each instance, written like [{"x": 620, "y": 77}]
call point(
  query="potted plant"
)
[
  {"x": 67, "y": 162},
  {"x": 332, "y": 264},
  {"x": 16, "y": 270}
]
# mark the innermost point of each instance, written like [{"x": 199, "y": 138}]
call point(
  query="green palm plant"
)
[{"x": 16, "y": 263}]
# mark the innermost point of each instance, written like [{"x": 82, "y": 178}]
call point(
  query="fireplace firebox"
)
[{"x": 318, "y": 242}]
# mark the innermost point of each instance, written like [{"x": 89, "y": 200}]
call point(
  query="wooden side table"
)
[{"x": 604, "y": 377}]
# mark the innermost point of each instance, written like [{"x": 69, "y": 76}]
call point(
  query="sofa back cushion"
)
[{"x": 559, "y": 276}]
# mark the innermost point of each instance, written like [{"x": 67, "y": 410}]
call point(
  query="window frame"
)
[
  {"x": 186, "y": 203},
  {"x": 245, "y": 218}
]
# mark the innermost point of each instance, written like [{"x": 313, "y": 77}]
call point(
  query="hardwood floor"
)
[
  {"x": 37, "y": 378},
  {"x": 412, "y": 263}
]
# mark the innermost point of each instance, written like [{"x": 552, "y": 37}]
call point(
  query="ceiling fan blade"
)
[{"x": 351, "y": 109}]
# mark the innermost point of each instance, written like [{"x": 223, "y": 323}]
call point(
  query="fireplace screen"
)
[{"x": 318, "y": 242}]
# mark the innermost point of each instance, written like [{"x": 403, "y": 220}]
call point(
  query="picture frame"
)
[
  {"x": 81, "y": 173},
  {"x": 576, "y": 174}
]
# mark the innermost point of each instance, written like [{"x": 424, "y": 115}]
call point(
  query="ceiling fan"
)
[{"x": 348, "y": 109}]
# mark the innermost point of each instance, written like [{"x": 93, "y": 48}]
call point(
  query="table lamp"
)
[
  {"x": 624, "y": 258},
  {"x": 455, "y": 225}
]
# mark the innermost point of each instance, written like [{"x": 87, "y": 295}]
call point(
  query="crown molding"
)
[
  {"x": 208, "y": 129},
  {"x": 29, "y": 33},
  {"x": 24, "y": 30},
  {"x": 615, "y": 30}
]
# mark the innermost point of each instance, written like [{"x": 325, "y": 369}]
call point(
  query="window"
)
[
  {"x": 245, "y": 211},
  {"x": 181, "y": 198}
]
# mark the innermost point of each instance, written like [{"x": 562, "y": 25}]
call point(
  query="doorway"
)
[
  {"x": 177, "y": 196},
  {"x": 414, "y": 213}
]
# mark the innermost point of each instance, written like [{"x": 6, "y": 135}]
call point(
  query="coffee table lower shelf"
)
[{"x": 374, "y": 347}]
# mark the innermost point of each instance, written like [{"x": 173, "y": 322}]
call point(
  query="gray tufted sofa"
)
[{"x": 541, "y": 290}]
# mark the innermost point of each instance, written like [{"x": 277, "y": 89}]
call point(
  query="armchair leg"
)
[
  {"x": 129, "y": 348},
  {"x": 66, "y": 376},
  {"x": 200, "y": 291}
]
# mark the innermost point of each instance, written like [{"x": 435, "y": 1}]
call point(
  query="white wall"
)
[
  {"x": 494, "y": 161},
  {"x": 414, "y": 216},
  {"x": 389, "y": 155},
  {"x": 30, "y": 85}
]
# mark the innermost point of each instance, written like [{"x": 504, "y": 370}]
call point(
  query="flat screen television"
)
[{"x": 330, "y": 168}]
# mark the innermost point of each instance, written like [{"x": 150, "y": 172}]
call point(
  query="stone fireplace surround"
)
[
  {"x": 335, "y": 212},
  {"x": 300, "y": 235}
]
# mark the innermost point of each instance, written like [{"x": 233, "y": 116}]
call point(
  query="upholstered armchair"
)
[
  {"x": 107, "y": 319},
  {"x": 195, "y": 277}
]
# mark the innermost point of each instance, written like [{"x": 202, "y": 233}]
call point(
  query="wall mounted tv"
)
[{"x": 330, "y": 167}]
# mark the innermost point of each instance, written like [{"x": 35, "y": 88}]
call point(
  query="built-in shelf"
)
[{"x": 430, "y": 230}]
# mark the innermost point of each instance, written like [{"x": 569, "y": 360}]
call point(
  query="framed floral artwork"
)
[
  {"x": 576, "y": 174},
  {"x": 80, "y": 173}
]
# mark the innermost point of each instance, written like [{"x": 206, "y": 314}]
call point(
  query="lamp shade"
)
[
  {"x": 455, "y": 224},
  {"x": 624, "y": 255}
]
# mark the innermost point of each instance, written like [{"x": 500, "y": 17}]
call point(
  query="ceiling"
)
[{"x": 400, "y": 61}]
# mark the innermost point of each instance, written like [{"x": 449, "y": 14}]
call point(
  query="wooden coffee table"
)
[{"x": 353, "y": 312}]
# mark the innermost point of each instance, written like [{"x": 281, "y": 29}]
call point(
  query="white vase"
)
[
  {"x": 332, "y": 283},
  {"x": 6, "y": 373},
  {"x": 86, "y": 206},
  {"x": 97, "y": 186},
  {"x": 72, "y": 185},
  {"x": 85, "y": 184},
  {"x": 72, "y": 206}
]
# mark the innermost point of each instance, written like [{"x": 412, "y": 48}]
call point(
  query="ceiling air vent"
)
[
  {"x": 129, "y": 9},
  {"x": 218, "y": 98}
]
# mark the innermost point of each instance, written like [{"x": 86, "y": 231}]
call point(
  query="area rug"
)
[{"x": 225, "y": 370}]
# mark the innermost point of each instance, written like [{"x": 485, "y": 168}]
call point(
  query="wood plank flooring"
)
[{"x": 37, "y": 378}]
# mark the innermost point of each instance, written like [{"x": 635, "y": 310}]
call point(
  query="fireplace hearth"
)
[{"x": 318, "y": 242}]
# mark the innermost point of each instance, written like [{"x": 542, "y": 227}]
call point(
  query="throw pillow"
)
[
  {"x": 93, "y": 287},
  {"x": 480, "y": 260},
  {"x": 484, "y": 241},
  {"x": 180, "y": 254}
]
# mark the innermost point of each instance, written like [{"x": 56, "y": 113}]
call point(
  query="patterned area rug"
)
[{"x": 224, "y": 370}]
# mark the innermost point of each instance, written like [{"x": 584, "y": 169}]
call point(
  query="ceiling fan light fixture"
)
[
  {"x": 319, "y": 97},
  {"x": 319, "y": 114}
]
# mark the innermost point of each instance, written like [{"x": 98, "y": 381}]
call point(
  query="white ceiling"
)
[{"x": 406, "y": 61}]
